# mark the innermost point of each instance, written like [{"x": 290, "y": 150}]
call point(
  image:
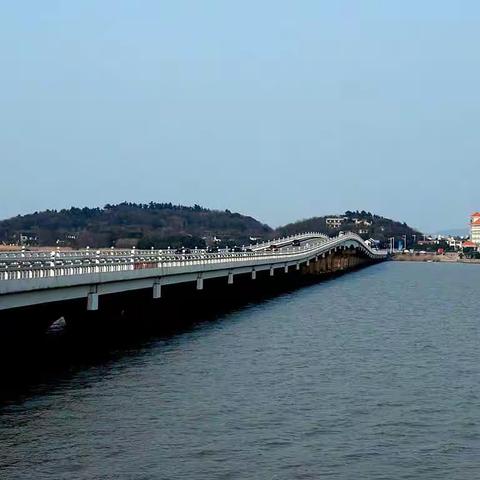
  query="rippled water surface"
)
[{"x": 373, "y": 375}]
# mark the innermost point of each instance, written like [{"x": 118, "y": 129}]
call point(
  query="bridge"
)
[
  {"x": 30, "y": 279},
  {"x": 285, "y": 241}
]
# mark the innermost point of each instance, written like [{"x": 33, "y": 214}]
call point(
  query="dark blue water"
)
[{"x": 373, "y": 375}]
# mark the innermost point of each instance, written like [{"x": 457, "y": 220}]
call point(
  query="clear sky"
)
[{"x": 278, "y": 109}]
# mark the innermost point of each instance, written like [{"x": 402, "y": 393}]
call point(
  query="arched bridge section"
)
[{"x": 289, "y": 240}]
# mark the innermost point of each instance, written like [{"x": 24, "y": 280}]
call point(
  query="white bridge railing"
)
[
  {"x": 289, "y": 239},
  {"x": 34, "y": 265}
]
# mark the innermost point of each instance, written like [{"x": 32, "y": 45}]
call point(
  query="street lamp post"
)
[{"x": 392, "y": 244}]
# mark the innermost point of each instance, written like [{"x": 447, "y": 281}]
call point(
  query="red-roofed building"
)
[{"x": 475, "y": 228}]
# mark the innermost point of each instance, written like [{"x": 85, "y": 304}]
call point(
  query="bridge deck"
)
[{"x": 26, "y": 280}]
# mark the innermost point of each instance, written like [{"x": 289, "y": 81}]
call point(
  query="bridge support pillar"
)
[
  {"x": 297, "y": 266},
  {"x": 323, "y": 264},
  {"x": 254, "y": 274},
  {"x": 286, "y": 268},
  {"x": 199, "y": 283},
  {"x": 230, "y": 278},
  {"x": 92, "y": 301},
  {"x": 272, "y": 271},
  {"x": 157, "y": 289}
]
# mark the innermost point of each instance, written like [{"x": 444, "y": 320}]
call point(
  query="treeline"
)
[
  {"x": 131, "y": 224},
  {"x": 161, "y": 225},
  {"x": 366, "y": 224}
]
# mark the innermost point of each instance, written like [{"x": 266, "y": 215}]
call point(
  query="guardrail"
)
[
  {"x": 88, "y": 252},
  {"x": 288, "y": 239},
  {"x": 79, "y": 262}
]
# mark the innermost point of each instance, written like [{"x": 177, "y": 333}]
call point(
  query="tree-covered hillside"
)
[
  {"x": 130, "y": 224},
  {"x": 161, "y": 225},
  {"x": 366, "y": 224}
]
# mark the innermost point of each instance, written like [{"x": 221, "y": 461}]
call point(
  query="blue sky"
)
[{"x": 278, "y": 109}]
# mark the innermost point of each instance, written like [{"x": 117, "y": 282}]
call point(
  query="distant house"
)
[
  {"x": 470, "y": 249},
  {"x": 335, "y": 222},
  {"x": 361, "y": 221},
  {"x": 429, "y": 241},
  {"x": 27, "y": 239},
  {"x": 455, "y": 243}
]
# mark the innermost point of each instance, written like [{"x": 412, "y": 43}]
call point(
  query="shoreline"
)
[{"x": 432, "y": 258}]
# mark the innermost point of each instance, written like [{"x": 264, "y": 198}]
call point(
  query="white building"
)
[
  {"x": 335, "y": 222},
  {"x": 360, "y": 221},
  {"x": 475, "y": 228},
  {"x": 455, "y": 243}
]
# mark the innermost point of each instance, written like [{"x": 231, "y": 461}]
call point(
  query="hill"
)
[
  {"x": 366, "y": 224},
  {"x": 125, "y": 225},
  {"x": 161, "y": 225}
]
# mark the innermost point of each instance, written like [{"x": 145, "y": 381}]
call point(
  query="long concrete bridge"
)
[{"x": 30, "y": 279}]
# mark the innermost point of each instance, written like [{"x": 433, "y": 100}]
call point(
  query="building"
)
[
  {"x": 469, "y": 249},
  {"x": 456, "y": 243},
  {"x": 475, "y": 228},
  {"x": 335, "y": 222},
  {"x": 429, "y": 241},
  {"x": 361, "y": 221}
]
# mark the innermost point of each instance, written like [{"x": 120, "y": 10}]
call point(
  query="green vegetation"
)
[
  {"x": 366, "y": 224},
  {"x": 160, "y": 225},
  {"x": 130, "y": 224}
]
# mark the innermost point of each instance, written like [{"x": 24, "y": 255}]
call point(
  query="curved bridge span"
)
[{"x": 28, "y": 279}]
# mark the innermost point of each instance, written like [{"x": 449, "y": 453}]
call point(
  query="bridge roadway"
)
[
  {"x": 285, "y": 241},
  {"x": 28, "y": 278}
]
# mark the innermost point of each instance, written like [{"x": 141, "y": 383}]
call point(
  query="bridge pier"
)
[
  {"x": 157, "y": 289},
  {"x": 92, "y": 301}
]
